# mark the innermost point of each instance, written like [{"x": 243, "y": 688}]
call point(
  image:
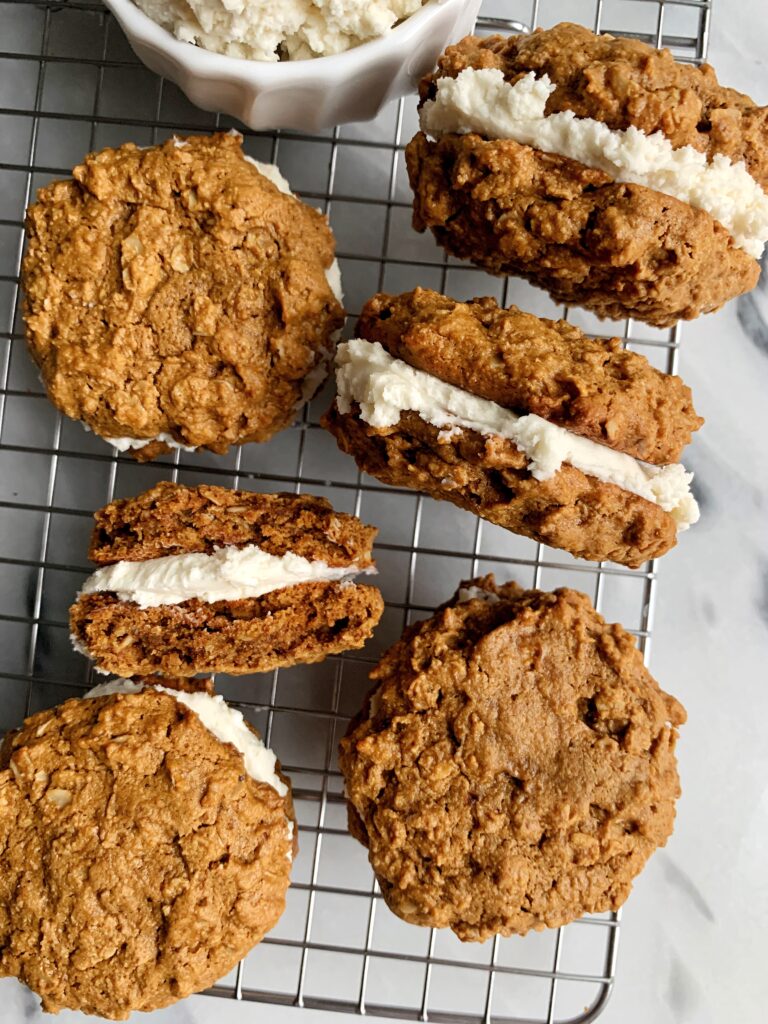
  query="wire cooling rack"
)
[{"x": 69, "y": 84}]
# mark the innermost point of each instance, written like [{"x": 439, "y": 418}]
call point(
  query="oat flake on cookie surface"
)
[
  {"x": 154, "y": 859},
  {"x": 176, "y": 296},
  {"x": 555, "y": 214},
  {"x": 514, "y": 767}
]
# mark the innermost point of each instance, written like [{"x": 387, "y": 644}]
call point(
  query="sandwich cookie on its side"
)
[
  {"x": 205, "y": 579},
  {"x": 179, "y": 296},
  {"x": 146, "y": 843},
  {"x": 598, "y": 168},
  {"x": 514, "y": 766},
  {"x": 526, "y": 422}
]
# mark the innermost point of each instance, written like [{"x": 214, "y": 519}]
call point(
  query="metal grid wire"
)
[{"x": 68, "y": 84}]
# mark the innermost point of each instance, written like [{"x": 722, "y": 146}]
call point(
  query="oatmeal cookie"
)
[
  {"x": 204, "y": 579},
  {"x": 623, "y": 82},
  {"x": 489, "y": 477},
  {"x": 528, "y": 423},
  {"x": 178, "y": 297},
  {"x": 513, "y": 767},
  {"x": 140, "y": 856},
  {"x": 588, "y": 233},
  {"x": 524, "y": 362},
  {"x": 618, "y": 249}
]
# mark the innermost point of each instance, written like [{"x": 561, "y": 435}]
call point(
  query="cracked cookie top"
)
[
  {"x": 532, "y": 365},
  {"x": 174, "y": 519},
  {"x": 177, "y": 296},
  {"x": 138, "y": 858},
  {"x": 514, "y": 767}
]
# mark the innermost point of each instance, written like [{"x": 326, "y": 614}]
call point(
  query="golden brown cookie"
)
[
  {"x": 622, "y": 82},
  {"x": 139, "y": 857},
  {"x": 613, "y": 425},
  {"x": 489, "y": 477},
  {"x": 175, "y": 296},
  {"x": 205, "y": 579},
  {"x": 593, "y": 387},
  {"x": 619, "y": 248},
  {"x": 514, "y": 767}
]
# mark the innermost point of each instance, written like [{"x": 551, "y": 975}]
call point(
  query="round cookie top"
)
[
  {"x": 514, "y": 767},
  {"x": 139, "y": 861},
  {"x": 175, "y": 519},
  {"x": 529, "y": 364},
  {"x": 175, "y": 294}
]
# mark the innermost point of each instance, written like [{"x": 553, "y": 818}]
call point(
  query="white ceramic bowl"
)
[{"x": 306, "y": 95}]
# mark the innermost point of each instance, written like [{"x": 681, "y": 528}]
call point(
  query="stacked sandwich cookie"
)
[
  {"x": 513, "y": 767},
  {"x": 179, "y": 296},
  {"x": 146, "y": 843},
  {"x": 598, "y": 168},
  {"x": 526, "y": 422},
  {"x": 205, "y": 579}
]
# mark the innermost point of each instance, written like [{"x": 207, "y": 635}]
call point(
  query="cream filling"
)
[
  {"x": 124, "y": 444},
  {"x": 227, "y": 574},
  {"x": 272, "y": 173},
  {"x": 317, "y": 373},
  {"x": 384, "y": 388},
  {"x": 273, "y": 30},
  {"x": 480, "y": 100}
]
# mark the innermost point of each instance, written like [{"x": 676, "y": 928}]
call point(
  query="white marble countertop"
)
[{"x": 693, "y": 937}]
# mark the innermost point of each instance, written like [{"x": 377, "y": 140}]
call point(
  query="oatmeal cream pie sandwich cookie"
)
[
  {"x": 205, "y": 579},
  {"x": 526, "y": 422},
  {"x": 179, "y": 296},
  {"x": 146, "y": 843},
  {"x": 513, "y": 767},
  {"x": 598, "y": 168}
]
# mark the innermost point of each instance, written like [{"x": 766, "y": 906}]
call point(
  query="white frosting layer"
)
[
  {"x": 333, "y": 276},
  {"x": 226, "y": 723},
  {"x": 271, "y": 30},
  {"x": 480, "y": 100},
  {"x": 315, "y": 379},
  {"x": 123, "y": 444},
  {"x": 272, "y": 173},
  {"x": 228, "y": 574},
  {"x": 385, "y": 387}
]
